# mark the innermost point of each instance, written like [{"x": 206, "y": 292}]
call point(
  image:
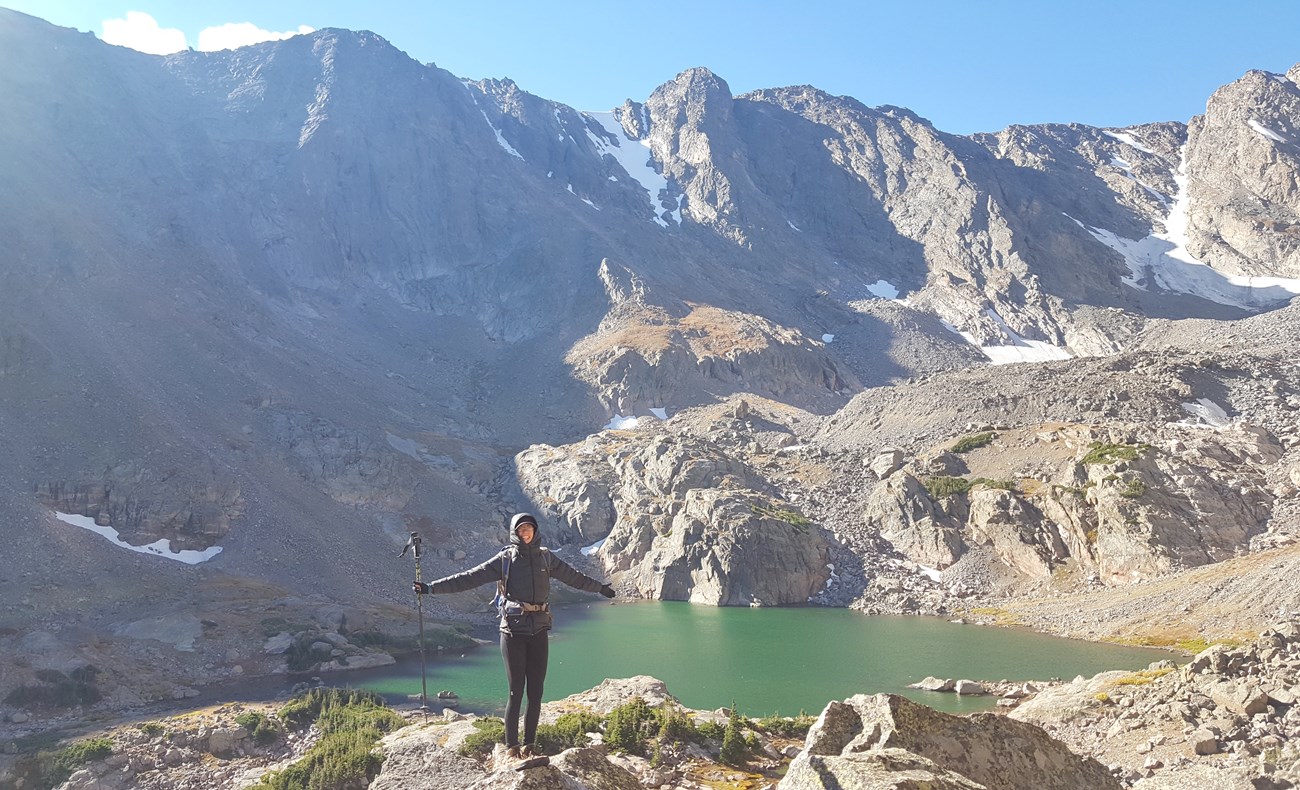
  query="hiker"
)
[{"x": 523, "y": 573}]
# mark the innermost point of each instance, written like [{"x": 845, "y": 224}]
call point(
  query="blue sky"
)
[{"x": 967, "y": 65}]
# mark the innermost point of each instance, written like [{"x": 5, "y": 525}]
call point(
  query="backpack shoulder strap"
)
[{"x": 504, "y": 582}]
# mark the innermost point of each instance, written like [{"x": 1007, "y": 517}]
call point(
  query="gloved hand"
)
[
  {"x": 420, "y": 587},
  {"x": 607, "y": 591}
]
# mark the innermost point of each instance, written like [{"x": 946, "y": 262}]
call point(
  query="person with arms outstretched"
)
[{"x": 523, "y": 572}]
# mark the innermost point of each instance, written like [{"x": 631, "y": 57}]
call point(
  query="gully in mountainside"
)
[{"x": 523, "y": 572}]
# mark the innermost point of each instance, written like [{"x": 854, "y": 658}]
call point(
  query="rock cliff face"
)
[
  {"x": 672, "y": 517},
  {"x": 1243, "y": 160}
]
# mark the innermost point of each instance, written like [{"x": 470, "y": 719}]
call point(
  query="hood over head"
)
[{"x": 525, "y": 518}]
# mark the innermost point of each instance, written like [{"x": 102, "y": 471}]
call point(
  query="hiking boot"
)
[
  {"x": 531, "y": 757},
  {"x": 513, "y": 753}
]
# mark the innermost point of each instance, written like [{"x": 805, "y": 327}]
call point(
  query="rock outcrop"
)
[
  {"x": 1120, "y": 504},
  {"x": 679, "y": 518},
  {"x": 867, "y": 741}
]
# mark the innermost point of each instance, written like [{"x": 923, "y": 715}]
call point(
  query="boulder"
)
[
  {"x": 413, "y": 760},
  {"x": 969, "y": 688},
  {"x": 887, "y": 462},
  {"x": 1203, "y": 742},
  {"x": 613, "y": 692},
  {"x": 986, "y": 749},
  {"x": 932, "y": 683},
  {"x": 884, "y": 769}
]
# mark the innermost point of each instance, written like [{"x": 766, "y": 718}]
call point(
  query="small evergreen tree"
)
[{"x": 733, "y": 743}]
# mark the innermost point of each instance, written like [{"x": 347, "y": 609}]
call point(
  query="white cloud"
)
[
  {"x": 234, "y": 35},
  {"x": 141, "y": 31}
]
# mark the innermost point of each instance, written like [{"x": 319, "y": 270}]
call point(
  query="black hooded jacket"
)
[{"x": 531, "y": 569}]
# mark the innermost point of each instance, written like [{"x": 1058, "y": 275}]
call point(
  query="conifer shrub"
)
[
  {"x": 973, "y": 442},
  {"x": 734, "y": 749},
  {"x": 568, "y": 731},
  {"x": 786, "y": 726},
  {"x": 48, "y": 769},
  {"x": 629, "y": 725},
  {"x": 1110, "y": 453},
  {"x": 942, "y": 486},
  {"x": 262, "y": 727},
  {"x": 350, "y": 722}
]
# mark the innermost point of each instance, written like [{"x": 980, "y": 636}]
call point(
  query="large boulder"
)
[
  {"x": 986, "y": 749},
  {"x": 884, "y": 769}
]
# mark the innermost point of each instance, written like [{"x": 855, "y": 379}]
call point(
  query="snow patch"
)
[
  {"x": 884, "y": 289},
  {"x": 660, "y": 413},
  {"x": 589, "y": 203},
  {"x": 159, "y": 548},
  {"x": 828, "y": 338},
  {"x": 934, "y": 573},
  {"x": 587, "y": 551},
  {"x": 501, "y": 141},
  {"x": 620, "y": 423},
  {"x": 1208, "y": 412},
  {"x": 1122, "y": 164},
  {"x": 1129, "y": 140},
  {"x": 1020, "y": 349},
  {"x": 635, "y": 157},
  {"x": 1162, "y": 259},
  {"x": 793, "y": 226},
  {"x": 1265, "y": 131}
]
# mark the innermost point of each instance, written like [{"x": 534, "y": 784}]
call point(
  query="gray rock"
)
[
  {"x": 986, "y": 749},
  {"x": 1203, "y": 742},
  {"x": 969, "y": 688}
]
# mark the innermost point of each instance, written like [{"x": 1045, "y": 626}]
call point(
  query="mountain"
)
[{"x": 279, "y": 306}]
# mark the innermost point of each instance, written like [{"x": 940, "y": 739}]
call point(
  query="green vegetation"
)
[
  {"x": 152, "y": 728},
  {"x": 1109, "y": 453},
  {"x": 568, "y": 731},
  {"x": 57, "y": 690},
  {"x": 1142, "y": 677},
  {"x": 786, "y": 726},
  {"x": 942, "y": 486},
  {"x": 263, "y": 729},
  {"x": 972, "y": 442},
  {"x": 791, "y": 517},
  {"x": 1102, "y": 697},
  {"x": 48, "y": 769},
  {"x": 1004, "y": 485},
  {"x": 734, "y": 749},
  {"x": 350, "y": 722},
  {"x": 629, "y": 725},
  {"x": 480, "y": 744},
  {"x": 1133, "y": 489}
]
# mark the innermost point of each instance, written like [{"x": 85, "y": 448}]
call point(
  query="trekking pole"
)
[{"x": 414, "y": 545}]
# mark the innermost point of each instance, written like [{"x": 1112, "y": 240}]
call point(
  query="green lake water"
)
[{"x": 770, "y": 660}]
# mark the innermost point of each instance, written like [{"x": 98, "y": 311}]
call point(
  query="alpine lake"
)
[{"x": 765, "y": 660}]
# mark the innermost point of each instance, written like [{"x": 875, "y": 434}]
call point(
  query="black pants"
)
[{"x": 525, "y": 658}]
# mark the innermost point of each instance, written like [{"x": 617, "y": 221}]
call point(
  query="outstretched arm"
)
[
  {"x": 564, "y": 572},
  {"x": 489, "y": 571}
]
